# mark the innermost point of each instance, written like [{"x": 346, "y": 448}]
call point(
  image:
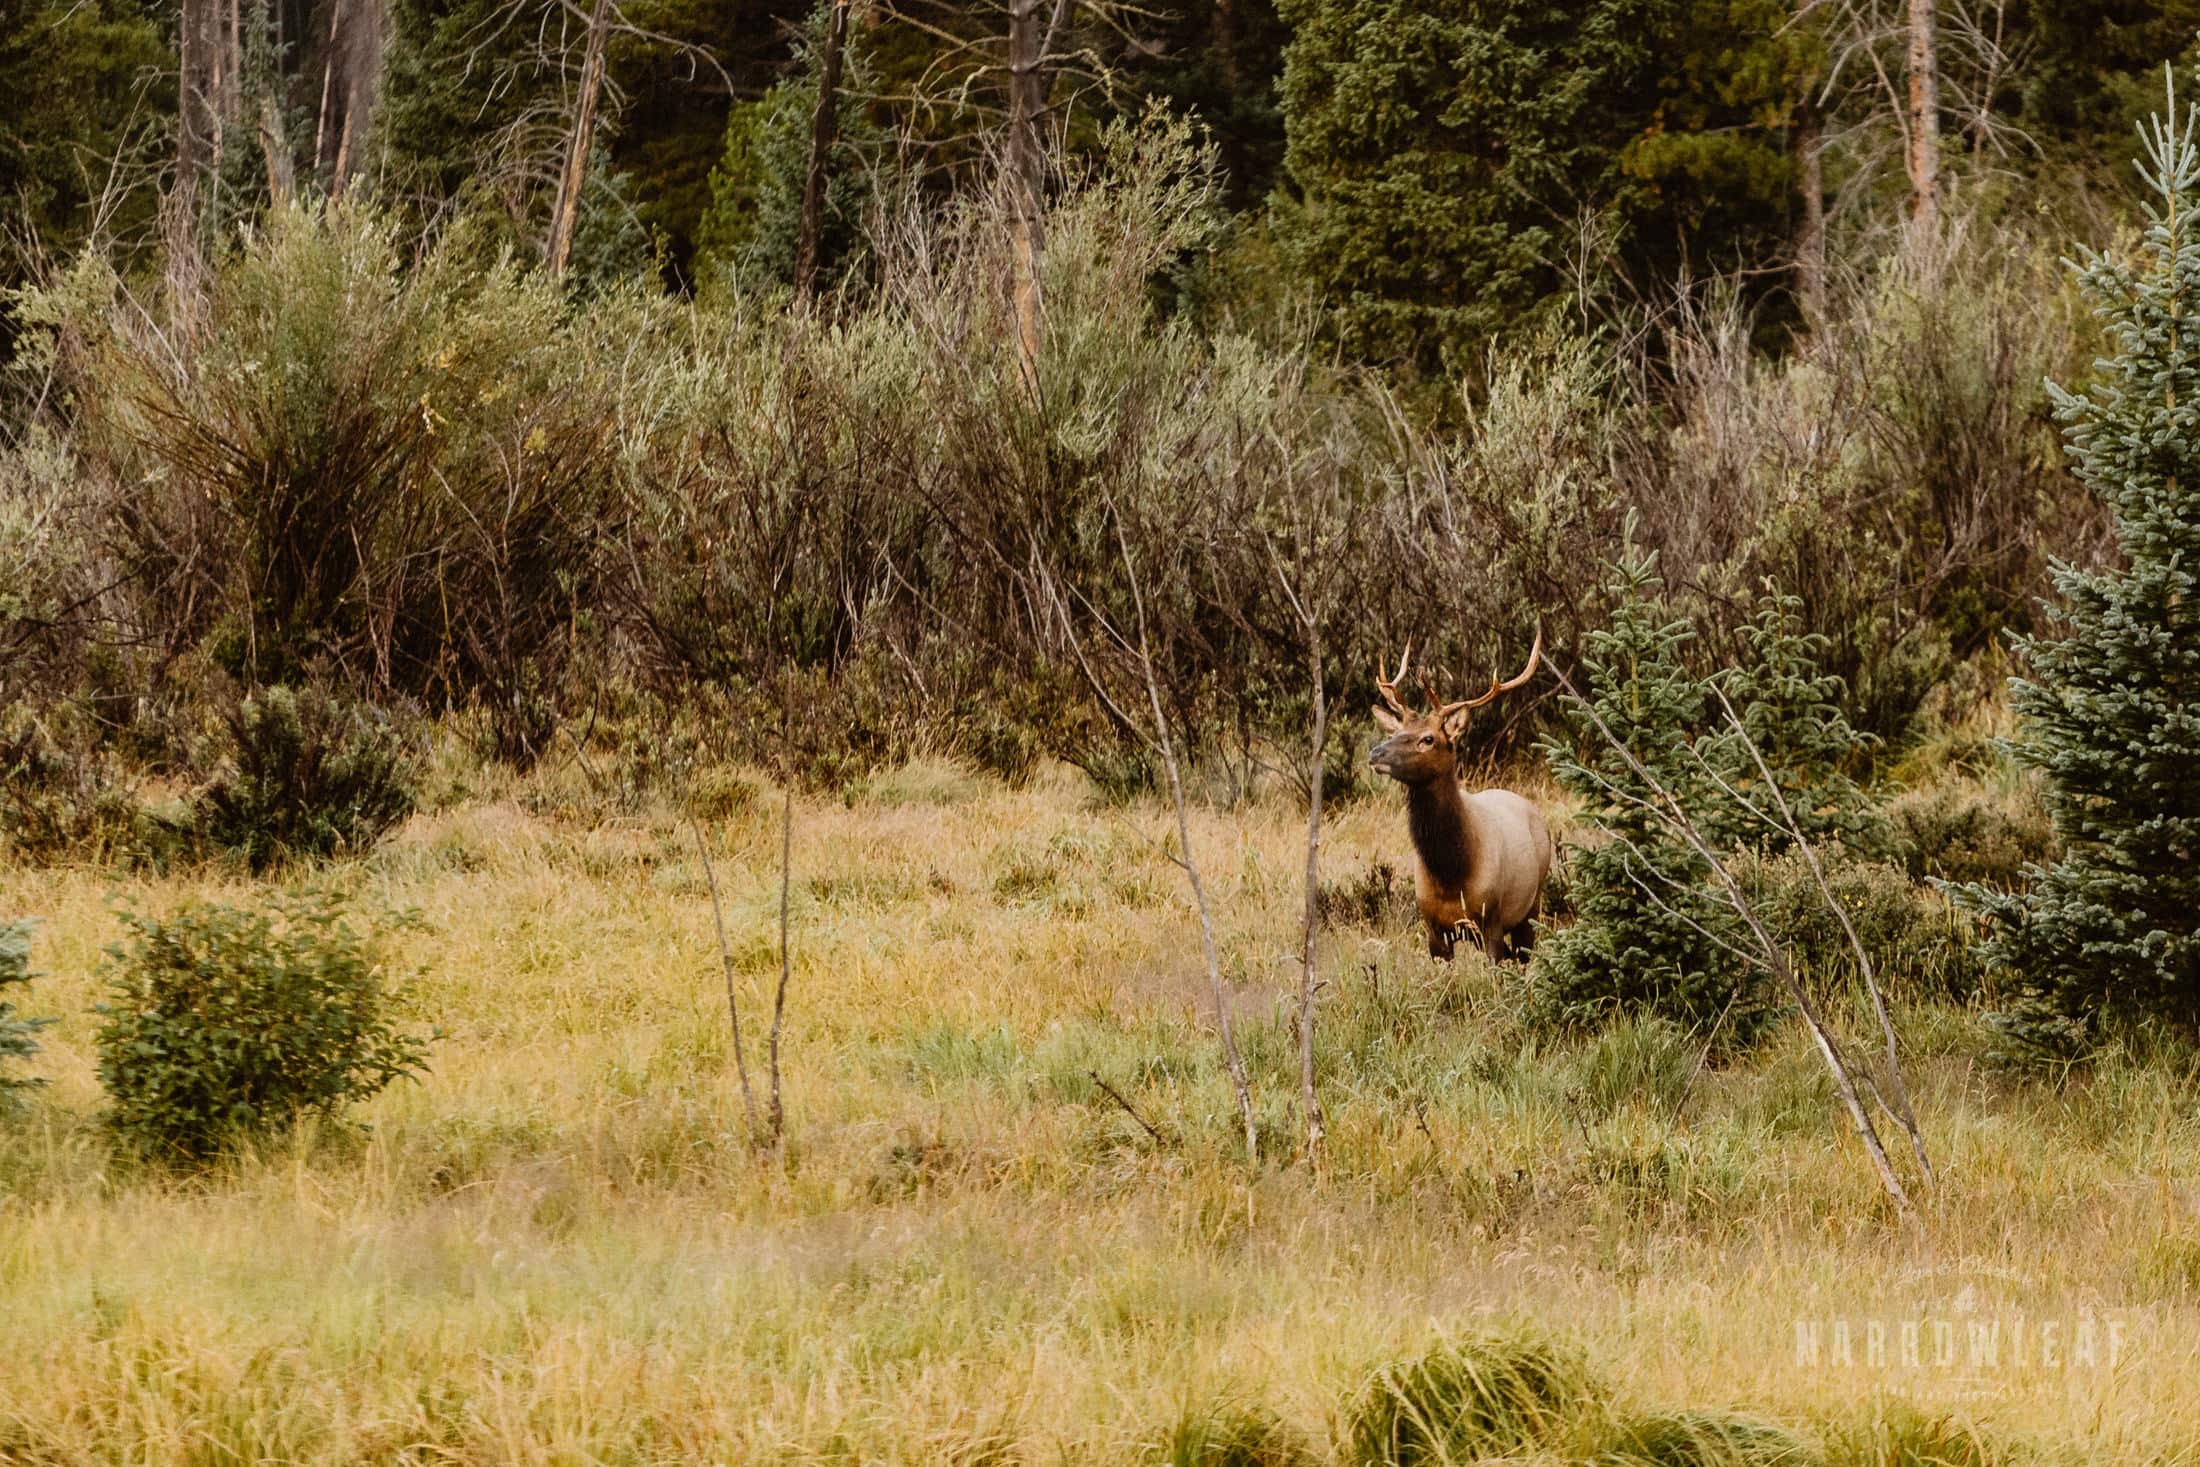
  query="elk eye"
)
[{"x": 1427, "y": 739}]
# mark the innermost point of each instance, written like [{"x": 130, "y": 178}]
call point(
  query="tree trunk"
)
[
  {"x": 328, "y": 85},
  {"x": 566, "y": 212},
  {"x": 1924, "y": 119},
  {"x": 351, "y": 83},
  {"x": 1026, "y": 173},
  {"x": 1810, "y": 233},
  {"x": 198, "y": 42},
  {"x": 281, "y": 179},
  {"x": 823, "y": 122}
]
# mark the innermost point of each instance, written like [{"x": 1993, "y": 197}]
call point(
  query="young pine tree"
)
[
  {"x": 1644, "y": 936},
  {"x": 16, "y": 1041},
  {"x": 1652, "y": 933},
  {"x": 2111, "y": 713},
  {"x": 1790, "y": 710}
]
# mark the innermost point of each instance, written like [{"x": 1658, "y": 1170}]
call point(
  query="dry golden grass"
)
[{"x": 560, "y": 1248}]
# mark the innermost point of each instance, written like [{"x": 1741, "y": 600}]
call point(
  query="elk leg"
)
[
  {"x": 1522, "y": 939},
  {"x": 1441, "y": 936}
]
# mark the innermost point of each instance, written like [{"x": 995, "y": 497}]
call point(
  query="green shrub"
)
[
  {"x": 1964, "y": 832},
  {"x": 1467, "y": 1400},
  {"x": 1227, "y": 1434},
  {"x": 60, "y": 798},
  {"x": 223, "y": 1023},
  {"x": 306, "y": 776},
  {"x": 1920, "y": 945},
  {"x": 16, "y": 1042}
]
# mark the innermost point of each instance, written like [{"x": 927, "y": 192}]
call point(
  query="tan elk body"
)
[{"x": 1479, "y": 859}]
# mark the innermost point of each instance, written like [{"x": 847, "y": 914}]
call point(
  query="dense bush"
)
[
  {"x": 1968, "y": 832},
  {"x": 60, "y": 795},
  {"x": 448, "y": 482},
  {"x": 16, "y": 1041},
  {"x": 222, "y": 1023},
  {"x": 398, "y": 468},
  {"x": 1919, "y": 945},
  {"x": 306, "y": 775},
  {"x": 1897, "y": 470}
]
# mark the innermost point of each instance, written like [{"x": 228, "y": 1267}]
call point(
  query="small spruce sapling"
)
[
  {"x": 2110, "y": 713},
  {"x": 1646, "y": 938},
  {"x": 16, "y": 1041}
]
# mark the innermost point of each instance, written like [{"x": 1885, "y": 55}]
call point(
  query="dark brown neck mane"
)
[{"x": 1436, "y": 817}]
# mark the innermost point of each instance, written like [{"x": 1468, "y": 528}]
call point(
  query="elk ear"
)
[
  {"x": 1387, "y": 720},
  {"x": 1455, "y": 723}
]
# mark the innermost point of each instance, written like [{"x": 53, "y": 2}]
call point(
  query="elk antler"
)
[
  {"x": 1535, "y": 659},
  {"x": 1389, "y": 687}
]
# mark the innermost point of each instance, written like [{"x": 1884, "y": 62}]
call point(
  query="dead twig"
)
[
  {"x": 733, "y": 1006},
  {"x": 1128, "y": 1109},
  {"x": 786, "y": 870}
]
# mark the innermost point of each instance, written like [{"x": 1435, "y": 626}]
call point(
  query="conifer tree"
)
[
  {"x": 16, "y": 1042},
  {"x": 1790, "y": 709},
  {"x": 2111, "y": 711},
  {"x": 1441, "y": 154},
  {"x": 1645, "y": 938},
  {"x": 1652, "y": 934}
]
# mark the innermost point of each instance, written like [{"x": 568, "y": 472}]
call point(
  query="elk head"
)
[{"x": 1420, "y": 746}]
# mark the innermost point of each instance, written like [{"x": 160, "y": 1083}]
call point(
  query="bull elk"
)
[{"x": 1479, "y": 859}]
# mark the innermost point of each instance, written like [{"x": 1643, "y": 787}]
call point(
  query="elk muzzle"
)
[{"x": 1390, "y": 756}]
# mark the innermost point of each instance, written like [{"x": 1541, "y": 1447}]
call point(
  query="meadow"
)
[{"x": 561, "y": 1246}]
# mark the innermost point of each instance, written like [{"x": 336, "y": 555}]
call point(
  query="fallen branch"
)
[{"x": 1128, "y": 1109}]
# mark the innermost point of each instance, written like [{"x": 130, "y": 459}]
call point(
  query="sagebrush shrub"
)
[
  {"x": 16, "y": 1041},
  {"x": 308, "y": 776},
  {"x": 222, "y": 1023}
]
